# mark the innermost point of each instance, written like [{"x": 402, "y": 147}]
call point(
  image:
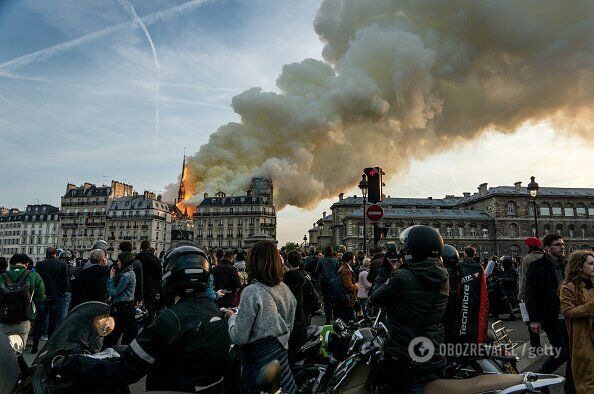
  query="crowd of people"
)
[{"x": 187, "y": 315}]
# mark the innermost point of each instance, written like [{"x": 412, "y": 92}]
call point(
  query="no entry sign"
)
[{"x": 374, "y": 213}]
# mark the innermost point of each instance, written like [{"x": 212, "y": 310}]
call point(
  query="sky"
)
[{"x": 80, "y": 86}]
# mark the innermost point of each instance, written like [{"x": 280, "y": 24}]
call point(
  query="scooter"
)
[{"x": 81, "y": 332}]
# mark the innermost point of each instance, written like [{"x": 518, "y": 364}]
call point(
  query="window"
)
[
  {"x": 591, "y": 210},
  {"x": 580, "y": 210},
  {"x": 460, "y": 231},
  {"x": 511, "y": 208},
  {"x": 240, "y": 222},
  {"x": 545, "y": 210},
  {"x": 557, "y": 211},
  {"x": 512, "y": 230},
  {"x": 559, "y": 229},
  {"x": 485, "y": 233},
  {"x": 473, "y": 231},
  {"x": 251, "y": 221},
  {"x": 571, "y": 231},
  {"x": 568, "y": 211},
  {"x": 583, "y": 231},
  {"x": 448, "y": 231},
  {"x": 547, "y": 229}
]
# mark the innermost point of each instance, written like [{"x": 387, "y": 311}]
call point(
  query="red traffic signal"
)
[{"x": 374, "y": 184}]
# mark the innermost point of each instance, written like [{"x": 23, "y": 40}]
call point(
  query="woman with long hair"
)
[
  {"x": 120, "y": 286},
  {"x": 264, "y": 319},
  {"x": 577, "y": 305}
]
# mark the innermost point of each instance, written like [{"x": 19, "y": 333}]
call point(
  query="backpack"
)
[
  {"x": 338, "y": 294},
  {"x": 312, "y": 295},
  {"x": 15, "y": 299}
]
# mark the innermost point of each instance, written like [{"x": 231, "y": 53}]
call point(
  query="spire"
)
[{"x": 181, "y": 194}]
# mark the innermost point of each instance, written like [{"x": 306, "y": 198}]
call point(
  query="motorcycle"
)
[
  {"x": 81, "y": 332},
  {"x": 365, "y": 350}
]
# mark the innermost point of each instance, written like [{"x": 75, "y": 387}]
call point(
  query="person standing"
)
[
  {"x": 152, "y": 272},
  {"x": 364, "y": 286},
  {"x": 126, "y": 246},
  {"x": 535, "y": 252},
  {"x": 346, "y": 310},
  {"x": 90, "y": 283},
  {"x": 121, "y": 286},
  {"x": 17, "y": 307},
  {"x": 3, "y": 265},
  {"x": 54, "y": 274},
  {"x": 226, "y": 278},
  {"x": 326, "y": 269},
  {"x": 295, "y": 279},
  {"x": 311, "y": 263},
  {"x": 265, "y": 317},
  {"x": 577, "y": 305},
  {"x": 543, "y": 305}
]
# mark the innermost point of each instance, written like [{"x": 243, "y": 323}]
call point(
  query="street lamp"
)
[
  {"x": 363, "y": 187},
  {"x": 533, "y": 190},
  {"x": 304, "y": 240}
]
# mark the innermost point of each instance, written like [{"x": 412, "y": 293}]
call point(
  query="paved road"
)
[{"x": 518, "y": 333}]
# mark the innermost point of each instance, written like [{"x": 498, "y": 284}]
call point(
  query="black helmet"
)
[
  {"x": 506, "y": 260},
  {"x": 450, "y": 256},
  {"x": 421, "y": 242},
  {"x": 186, "y": 271},
  {"x": 65, "y": 256}
]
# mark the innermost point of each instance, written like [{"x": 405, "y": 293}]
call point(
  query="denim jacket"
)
[{"x": 124, "y": 291}]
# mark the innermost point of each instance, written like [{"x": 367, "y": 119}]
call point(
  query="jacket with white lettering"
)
[
  {"x": 184, "y": 349},
  {"x": 472, "y": 305}
]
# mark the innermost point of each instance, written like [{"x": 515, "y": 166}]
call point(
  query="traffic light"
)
[{"x": 374, "y": 184}]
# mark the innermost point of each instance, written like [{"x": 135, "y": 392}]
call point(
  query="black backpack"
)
[
  {"x": 338, "y": 294},
  {"x": 312, "y": 295},
  {"x": 15, "y": 299}
]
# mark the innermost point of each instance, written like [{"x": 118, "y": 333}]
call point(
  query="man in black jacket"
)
[
  {"x": 55, "y": 278},
  {"x": 326, "y": 269},
  {"x": 295, "y": 279},
  {"x": 543, "y": 305},
  {"x": 226, "y": 278},
  {"x": 90, "y": 283},
  {"x": 414, "y": 301},
  {"x": 151, "y": 276}
]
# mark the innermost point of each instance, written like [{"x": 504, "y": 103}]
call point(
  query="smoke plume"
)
[{"x": 402, "y": 80}]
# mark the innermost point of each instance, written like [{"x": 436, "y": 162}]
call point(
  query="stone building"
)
[
  {"x": 227, "y": 221},
  {"x": 40, "y": 227},
  {"x": 494, "y": 220},
  {"x": 139, "y": 218},
  {"x": 11, "y": 220},
  {"x": 83, "y": 214}
]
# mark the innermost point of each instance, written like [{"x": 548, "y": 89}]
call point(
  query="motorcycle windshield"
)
[{"x": 78, "y": 330}]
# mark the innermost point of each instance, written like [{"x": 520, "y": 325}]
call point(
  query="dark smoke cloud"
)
[{"x": 404, "y": 79}]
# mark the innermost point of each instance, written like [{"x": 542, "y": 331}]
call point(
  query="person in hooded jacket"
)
[
  {"x": 325, "y": 270},
  {"x": 151, "y": 277},
  {"x": 414, "y": 301}
]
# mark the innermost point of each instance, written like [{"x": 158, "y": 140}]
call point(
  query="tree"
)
[{"x": 291, "y": 246}]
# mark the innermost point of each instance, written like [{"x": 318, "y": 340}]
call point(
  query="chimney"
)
[
  {"x": 518, "y": 185},
  {"x": 324, "y": 214},
  {"x": 429, "y": 198},
  {"x": 466, "y": 194},
  {"x": 340, "y": 196},
  {"x": 70, "y": 186},
  {"x": 449, "y": 196},
  {"x": 205, "y": 196},
  {"x": 159, "y": 198},
  {"x": 482, "y": 189}
]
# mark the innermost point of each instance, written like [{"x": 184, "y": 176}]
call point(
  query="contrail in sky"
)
[
  {"x": 49, "y": 52},
  {"x": 129, "y": 8}
]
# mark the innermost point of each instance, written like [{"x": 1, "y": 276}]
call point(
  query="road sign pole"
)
[{"x": 375, "y": 234}]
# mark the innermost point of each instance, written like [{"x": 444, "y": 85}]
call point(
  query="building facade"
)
[
  {"x": 11, "y": 220},
  {"x": 40, "y": 226},
  {"x": 139, "y": 218},
  {"x": 225, "y": 222},
  {"x": 495, "y": 221},
  {"x": 83, "y": 214}
]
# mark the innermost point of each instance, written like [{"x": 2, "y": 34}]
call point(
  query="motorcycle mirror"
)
[
  {"x": 104, "y": 325},
  {"x": 17, "y": 343},
  {"x": 339, "y": 326},
  {"x": 382, "y": 329}
]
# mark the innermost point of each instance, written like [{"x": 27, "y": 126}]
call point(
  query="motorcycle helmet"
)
[
  {"x": 66, "y": 256},
  {"x": 506, "y": 261},
  {"x": 421, "y": 242},
  {"x": 186, "y": 271},
  {"x": 450, "y": 256}
]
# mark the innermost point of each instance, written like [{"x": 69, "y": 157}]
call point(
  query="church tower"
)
[{"x": 181, "y": 193}]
